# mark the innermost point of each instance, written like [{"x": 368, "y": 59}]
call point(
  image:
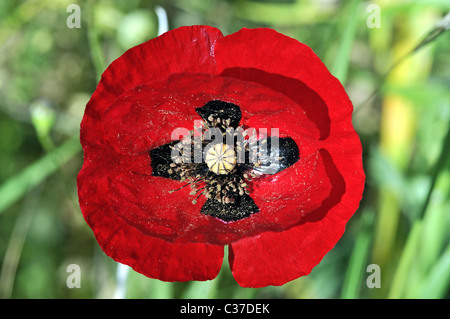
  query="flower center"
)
[
  {"x": 222, "y": 171},
  {"x": 220, "y": 158}
]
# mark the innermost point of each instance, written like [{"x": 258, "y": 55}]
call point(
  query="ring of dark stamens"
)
[{"x": 228, "y": 195}]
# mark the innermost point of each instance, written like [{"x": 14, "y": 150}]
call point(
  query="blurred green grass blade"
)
[
  {"x": 94, "y": 43},
  {"x": 436, "y": 284},
  {"x": 17, "y": 240},
  {"x": 440, "y": 164},
  {"x": 341, "y": 64},
  {"x": 18, "y": 185},
  {"x": 401, "y": 275},
  {"x": 358, "y": 260}
]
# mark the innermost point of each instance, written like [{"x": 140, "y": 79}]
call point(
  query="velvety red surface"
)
[{"x": 277, "y": 83}]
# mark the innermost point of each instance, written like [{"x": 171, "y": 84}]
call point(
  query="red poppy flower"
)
[{"x": 167, "y": 216}]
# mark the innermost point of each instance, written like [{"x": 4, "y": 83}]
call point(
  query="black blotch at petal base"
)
[
  {"x": 243, "y": 207},
  {"x": 221, "y": 110}
]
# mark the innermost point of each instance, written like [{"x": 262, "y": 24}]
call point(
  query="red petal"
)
[
  {"x": 276, "y": 258},
  {"x": 186, "y": 49},
  {"x": 181, "y": 50},
  {"x": 294, "y": 193},
  {"x": 287, "y": 66},
  {"x": 310, "y": 114},
  {"x": 146, "y": 203},
  {"x": 144, "y": 118},
  {"x": 284, "y": 86},
  {"x": 148, "y": 255},
  {"x": 162, "y": 260}
]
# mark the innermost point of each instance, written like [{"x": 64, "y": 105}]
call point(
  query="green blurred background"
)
[{"x": 48, "y": 72}]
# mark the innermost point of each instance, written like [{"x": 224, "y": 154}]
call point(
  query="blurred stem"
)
[
  {"x": 94, "y": 43},
  {"x": 440, "y": 164},
  {"x": 16, "y": 242},
  {"x": 440, "y": 28},
  {"x": 397, "y": 135},
  {"x": 163, "y": 22},
  {"x": 341, "y": 65},
  {"x": 122, "y": 272},
  {"x": 46, "y": 142},
  {"x": 402, "y": 272},
  {"x": 436, "y": 284},
  {"x": 358, "y": 259},
  {"x": 385, "y": 230},
  {"x": 17, "y": 186},
  {"x": 43, "y": 119}
]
